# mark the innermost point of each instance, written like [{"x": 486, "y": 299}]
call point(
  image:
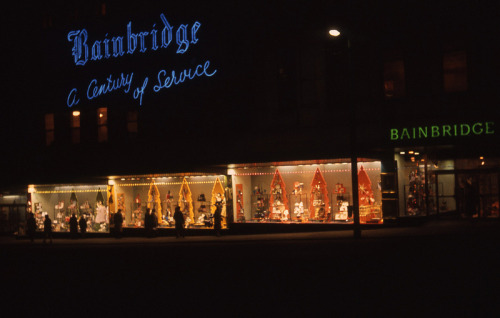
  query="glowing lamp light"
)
[
  {"x": 76, "y": 113},
  {"x": 334, "y": 32}
]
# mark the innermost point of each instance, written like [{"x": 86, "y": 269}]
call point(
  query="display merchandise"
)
[
  {"x": 154, "y": 201},
  {"x": 219, "y": 199},
  {"x": 278, "y": 201},
  {"x": 186, "y": 203},
  {"x": 319, "y": 207},
  {"x": 168, "y": 215},
  {"x": 136, "y": 216},
  {"x": 369, "y": 212},
  {"x": 240, "y": 211}
]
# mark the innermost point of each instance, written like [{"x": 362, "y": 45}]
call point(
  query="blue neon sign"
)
[{"x": 85, "y": 51}]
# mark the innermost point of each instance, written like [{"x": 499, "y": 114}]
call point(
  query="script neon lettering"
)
[
  {"x": 80, "y": 50},
  {"x": 175, "y": 78},
  {"x": 72, "y": 100},
  {"x": 94, "y": 90},
  {"x": 101, "y": 48}
]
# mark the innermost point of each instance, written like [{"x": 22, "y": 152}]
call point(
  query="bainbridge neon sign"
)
[
  {"x": 442, "y": 131},
  {"x": 85, "y": 51}
]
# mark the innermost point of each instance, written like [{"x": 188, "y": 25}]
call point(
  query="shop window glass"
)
[
  {"x": 394, "y": 79},
  {"x": 59, "y": 202},
  {"x": 75, "y": 127},
  {"x": 305, "y": 192},
  {"x": 198, "y": 198},
  {"x": 132, "y": 122},
  {"x": 49, "y": 129},
  {"x": 102, "y": 124},
  {"x": 455, "y": 72}
]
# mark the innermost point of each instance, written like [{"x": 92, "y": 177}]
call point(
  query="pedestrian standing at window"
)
[
  {"x": 118, "y": 220},
  {"x": 73, "y": 226},
  {"x": 218, "y": 218},
  {"x": 47, "y": 229},
  {"x": 31, "y": 224},
  {"x": 83, "y": 225},
  {"x": 147, "y": 223},
  {"x": 154, "y": 222},
  {"x": 179, "y": 222}
]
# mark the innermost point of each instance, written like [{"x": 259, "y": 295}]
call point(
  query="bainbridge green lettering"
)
[
  {"x": 446, "y": 130},
  {"x": 422, "y": 131},
  {"x": 462, "y": 133},
  {"x": 405, "y": 132},
  {"x": 479, "y": 131},
  {"x": 394, "y": 134},
  {"x": 435, "y": 131},
  {"x": 489, "y": 128}
]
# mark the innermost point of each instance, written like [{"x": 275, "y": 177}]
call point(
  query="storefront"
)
[
  {"x": 314, "y": 191},
  {"x": 450, "y": 170}
]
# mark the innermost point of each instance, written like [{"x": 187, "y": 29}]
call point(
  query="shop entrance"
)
[{"x": 464, "y": 193}]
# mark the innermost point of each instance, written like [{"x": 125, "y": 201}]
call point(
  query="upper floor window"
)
[
  {"x": 132, "y": 122},
  {"x": 394, "y": 79},
  {"x": 455, "y": 71},
  {"x": 49, "y": 129},
  {"x": 75, "y": 127},
  {"x": 102, "y": 124}
]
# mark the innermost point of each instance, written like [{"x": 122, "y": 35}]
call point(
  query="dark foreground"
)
[{"x": 430, "y": 271}]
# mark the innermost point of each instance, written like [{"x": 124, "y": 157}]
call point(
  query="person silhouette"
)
[
  {"x": 73, "y": 226},
  {"x": 148, "y": 223},
  {"x": 83, "y": 225},
  {"x": 47, "y": 229},
  {"x": 218, "y": 218},
  {"x": 31, "y": 226},
  {"x": 118, "y": 220},
  {"x": 179, "y": 222}
]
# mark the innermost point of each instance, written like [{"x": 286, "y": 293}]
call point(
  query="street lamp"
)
[
  {"x": 354, "y": 158},
  {"x": 334, "y": 32}
]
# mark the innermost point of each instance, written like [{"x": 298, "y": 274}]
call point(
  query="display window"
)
[
  {"x": 60, "y": 202},
  {"x": 462, "y": 188},
  {"x": 318, "y": 191},
  {"x": 197, "y": 195}
]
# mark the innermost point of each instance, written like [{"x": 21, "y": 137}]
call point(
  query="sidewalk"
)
[{"x": 431, "y": 228}]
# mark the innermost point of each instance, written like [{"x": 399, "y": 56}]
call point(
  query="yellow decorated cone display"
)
[
  {"x": 154, "y": 201},
  {"x": 186, "y": 201}
]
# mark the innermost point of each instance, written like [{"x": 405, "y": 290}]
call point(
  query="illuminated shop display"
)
[
  {"x": 196, "y": 194},
  {"x": 317, "y": 191},
  {"x": 60, "y": 202}
]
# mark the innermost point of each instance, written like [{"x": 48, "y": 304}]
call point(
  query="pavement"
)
[
  {"x": 445, "y": 268},
  {"x": 431, "y": 228}
]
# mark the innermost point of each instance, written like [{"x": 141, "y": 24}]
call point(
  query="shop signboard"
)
[
  {"x": 455, "y": 130},
  {"x": 88, "y": 47}
]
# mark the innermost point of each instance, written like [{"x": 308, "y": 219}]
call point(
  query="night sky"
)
[{"x": 253, "y": 48}]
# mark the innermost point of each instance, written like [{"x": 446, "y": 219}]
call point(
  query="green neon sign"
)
[{"x": 442, "y": 131}]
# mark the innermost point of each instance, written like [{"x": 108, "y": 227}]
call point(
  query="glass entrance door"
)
[{"x": 464, "y": 193}]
